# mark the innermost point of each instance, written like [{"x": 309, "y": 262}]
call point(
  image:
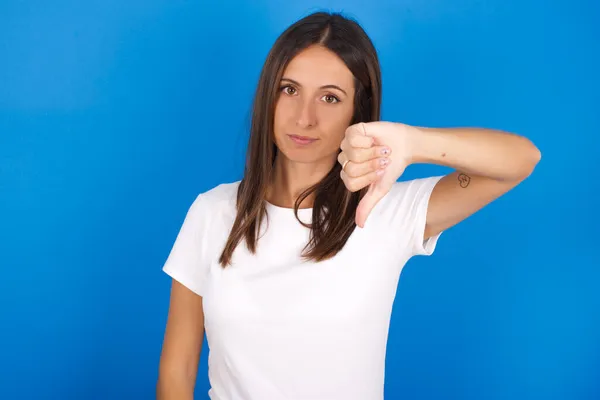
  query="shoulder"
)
[
  {"x": 218, "y": 201},
  {"x": 202, "y": 233},
  {"x": 220, "y": 195}
]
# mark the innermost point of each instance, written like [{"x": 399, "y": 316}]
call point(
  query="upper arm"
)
[
  {"x": 184, "y": 334},
  {"x": 457, "y": 196},
  {"x": 188, "y": 266}
]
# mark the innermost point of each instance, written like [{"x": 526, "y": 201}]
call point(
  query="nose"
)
[{"x": 306, "y": 114}]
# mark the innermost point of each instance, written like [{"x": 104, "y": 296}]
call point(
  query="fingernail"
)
[
  {"x": 385, "y": 151},
  {"x": 380, "y": 172},
  {"x": 384, "y": 161}
]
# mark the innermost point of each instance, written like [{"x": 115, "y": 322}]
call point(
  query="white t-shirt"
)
[{"x": 279, "y": 328}]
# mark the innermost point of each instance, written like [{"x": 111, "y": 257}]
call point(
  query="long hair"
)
[{"x": 334, "y": 208}]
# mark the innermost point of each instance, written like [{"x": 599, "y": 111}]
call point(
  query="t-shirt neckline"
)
[{"x": 287, "y": 210}]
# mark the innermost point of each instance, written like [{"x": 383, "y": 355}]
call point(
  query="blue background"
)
[{"x": 115, "y": 115}]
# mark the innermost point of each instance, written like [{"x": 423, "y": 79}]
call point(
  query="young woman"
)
[{"x": 292, "y": 271}]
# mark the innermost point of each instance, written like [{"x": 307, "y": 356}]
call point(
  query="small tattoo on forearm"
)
[{"x": 464, "y": 180}]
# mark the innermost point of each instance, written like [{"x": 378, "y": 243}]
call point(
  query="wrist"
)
[
  {"x": 427, "y": 145},
  {"x": 416, "y": 143}
]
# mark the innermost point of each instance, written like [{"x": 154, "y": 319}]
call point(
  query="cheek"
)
[
  {"x": 335, "y": 122},
  {"x": 282, "y": 120},
  {"x": 283, "y": 111}
]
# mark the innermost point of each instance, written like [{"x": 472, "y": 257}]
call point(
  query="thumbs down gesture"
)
[{"x": 374, "y": 154}]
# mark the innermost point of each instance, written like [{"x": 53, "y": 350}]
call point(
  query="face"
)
[{"x": 314, "y": 107}]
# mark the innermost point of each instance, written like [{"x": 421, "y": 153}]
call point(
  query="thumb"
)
[
  {"x": 377, "y": 191},
  {"x": 368, "y": 202}
]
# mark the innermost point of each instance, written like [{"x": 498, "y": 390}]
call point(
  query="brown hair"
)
[{"x": 334, "y": 208}]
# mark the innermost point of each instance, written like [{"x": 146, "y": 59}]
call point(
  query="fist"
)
[{"x": 374, "y": 154}]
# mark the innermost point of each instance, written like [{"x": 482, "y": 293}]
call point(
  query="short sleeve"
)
[
  {"x": 186, "y": 262},
  {"x": 405, "y": 210}
]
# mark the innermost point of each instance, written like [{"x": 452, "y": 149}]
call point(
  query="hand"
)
[{"x": 374, "y": 154}]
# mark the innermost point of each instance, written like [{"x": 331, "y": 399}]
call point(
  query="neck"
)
[{"x": 291, "y": 178}]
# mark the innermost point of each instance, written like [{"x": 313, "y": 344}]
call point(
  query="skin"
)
[
  {"x": 488, "y": 164},
  {"x": 305, "y": 108},
  {"x": 182, "y": 345}
]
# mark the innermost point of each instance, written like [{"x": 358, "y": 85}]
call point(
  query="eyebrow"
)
[{"x": 322, "y": 87}]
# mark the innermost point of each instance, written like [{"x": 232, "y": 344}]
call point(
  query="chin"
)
[{"x": 304, "y": 156}]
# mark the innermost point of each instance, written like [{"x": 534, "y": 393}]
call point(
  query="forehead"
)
[{"x": 318, "y": 66}]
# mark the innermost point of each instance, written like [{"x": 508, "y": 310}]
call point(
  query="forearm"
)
[
  {"x": 174, "y": 388},
  {"x": 476, "y": 151}
]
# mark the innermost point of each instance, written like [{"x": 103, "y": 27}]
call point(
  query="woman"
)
[{"x": 292, "y": 271}]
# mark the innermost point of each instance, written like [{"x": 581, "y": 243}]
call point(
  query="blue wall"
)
[{"x": 115, "y": 115}]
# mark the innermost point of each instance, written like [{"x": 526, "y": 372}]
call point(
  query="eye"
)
[
  {"x": 289, "y": 90},
  {"x": 331, "y": 99}
]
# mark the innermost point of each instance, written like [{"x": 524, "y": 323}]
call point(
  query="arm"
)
[
  {"x": 182, "y": 345},
  {"x": 488, "y": 164}
]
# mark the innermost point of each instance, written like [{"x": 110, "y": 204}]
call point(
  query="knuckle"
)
[
  {"x": 351, "y": 129},
  {"x": 350, "y": 169},
  {"x": 354, "y": 141},
  {"x": 352, "y": 155},
  {"x": 352, "y": 186}
]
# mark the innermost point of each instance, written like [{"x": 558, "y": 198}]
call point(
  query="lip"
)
[{"x": 302, "y": 140}]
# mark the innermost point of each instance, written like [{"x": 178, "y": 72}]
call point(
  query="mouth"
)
[{"x": 302, "y": 140}]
